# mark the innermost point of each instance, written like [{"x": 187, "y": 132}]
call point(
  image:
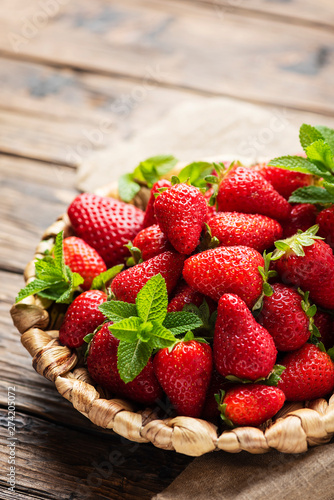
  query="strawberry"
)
[
  {"x": 184, "y": 294},
  {"x": 305, "y": 261},
  {"x": 303, "y": 216},
  {"x": 241, "y": 346},
  {"x": 256, "y": 231},
  {"x": 324, "y": 323},
  {"x": 151, "y": 241},
  {"x": 226, "y": 270},
  {"x": 128, "y": 283},
  {"x": 105, "y": 224},
  {"x": 325, "y": 221},
  {"x": 251, "y": 404},
  {"x": 284, "y": 318},
  {"x": 244, "y": 190},
  {"x": 83, "y": 259},
  {"x": 149, "y": 217},
  {"x": 211, "y": 208},
  {"x": 102, "y": 366},
  {"x": 309, "y": 374},
  {"x": 284, "y": 181},
  {"x": 181, "y": 212},
  {"x": 184, "y": 373},
  {"x": 82, "y": 317}
]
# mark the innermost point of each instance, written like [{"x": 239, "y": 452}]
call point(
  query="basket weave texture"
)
[{"x": 296, "y": 426}]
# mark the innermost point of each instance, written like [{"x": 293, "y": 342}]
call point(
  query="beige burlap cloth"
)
[{"x": 193, "y": 131}]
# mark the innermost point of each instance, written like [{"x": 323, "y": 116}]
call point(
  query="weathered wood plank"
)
[
  {"x": 183, "y": 45},
  {"x": 33, "y": 195},
  {"x": 63, "y": 116},
  {"x": 291, "y": 11},
  {"x": 58, "y": 463}
]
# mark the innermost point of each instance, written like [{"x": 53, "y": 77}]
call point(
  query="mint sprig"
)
[
  {"x": 145, "y": 326},
  {"x": 54, "y": 280},
  {"x": 318, "y": 144},
  {"x": 147, "y": 172},
  {"x": 100, "y": 281}
]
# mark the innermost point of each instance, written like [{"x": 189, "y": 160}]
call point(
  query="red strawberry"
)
[
  {"x": 184, "y": 294},
  {"x": 308, "y": 263},
  {"x": 282, "y": 315},
  {"x": 226, "y": 270},
  {"x": 325, "y": 220},
  {"x": 284, "y": 181},
  {"x": 149, "y": 218},
  {"x": 82, "y": 317},
  {"x": 244, "y": 190},
  {"x": 181, "y": 212},
  {"x": 241, "y": 346},
  {"x": 252, "y": 404},
  {"x": 309, "y": 374},
  {"x": 303, "y": 216},
  {"x": 102, "y": 366},
  {"x": 83, "y": 259},
  {"x": 105, "y": 224},
  {"x": 256, "y": 231},
  {"x": 128, "y": 283},
  {"x": 151, "y": 241},
  {"x": 324, "y": 323},
  {"x": 184, "y": 374}
]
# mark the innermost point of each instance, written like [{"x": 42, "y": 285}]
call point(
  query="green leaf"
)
[
  {"x": 321, "y": 152},
  {"x": 102, "y": 279},
  {"x": 126, "y": 330},
  {"x": 33, "y": 287},
  {"x": 48, "y": 271},
  {"x": 196, "y": 172},
  {"x": 295, "y": 163},
  {"x": 308, "y": 135},
  {"x": 116, "y": 310},
  {"x": 181, "y": 322},
  {"x": 160, "y": 332},
  {"x": 152, "y": 300},
  {"x": 127, "y": 187},
  {"x": 58, "y": 253},
  {"x": 88, "y": 338},
  {"x": 211, "y": 179},
  {"x": 274, "y": 376},
  {"x": 311, "y": 194},
  {"x": 328, "y": 135},
  {"x": 132, "y": 358}
]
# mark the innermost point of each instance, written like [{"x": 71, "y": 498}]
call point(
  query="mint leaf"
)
[
  {"x": 126, "y": 330},
  {"x": 161, "y": 332},
  {"x": 320, "y": 152},
  {"x": 152, "y": 300},
  {"x": 196, "y": 172},
  {"x": 311, "y": 194},
  {"x": 328, "y": 135},
  {"x": 132, "y": 359},
  {"x": 181, "y": 322},
  {"x": 297, "y": 164},
  {"x": 308, "y": 135},
  {"x": 102, "y": 279},
  {"x": 116, "y": 310},
  {"x": 156, "y": 167},
  {"x": 34, "y": 287},
  {"x": 127, "y": 188},
  {"x": 54, "y": 280}
]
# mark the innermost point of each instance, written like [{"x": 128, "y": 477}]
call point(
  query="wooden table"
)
[{"x": 65, "y": 66}]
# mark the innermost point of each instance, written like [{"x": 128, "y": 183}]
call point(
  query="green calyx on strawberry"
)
[
  {"x": 221, "y": 169},
  {"x": 267, "y": 290},
  {"x": 146, "y": 326},
  {"x": 310, "y": 311},
  {"x": 208, "y": 241},
  {"x": 296, "y": 243},
  {"x": 136, "y": 255},
  {"x": 56, "y": 281},
  {"x": 271, "y": 380},
  {"x": 208, "y": 319}
]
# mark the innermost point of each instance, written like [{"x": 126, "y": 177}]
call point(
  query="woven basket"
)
[{"x": 296, "y": 426}]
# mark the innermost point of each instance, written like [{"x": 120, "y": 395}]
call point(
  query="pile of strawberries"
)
[{"x": 264, "y": 322}]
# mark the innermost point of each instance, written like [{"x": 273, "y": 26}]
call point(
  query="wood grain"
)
[
  {"x": 33, "y": 195},
  {"x": 54, "y": 462},
  {"x": 185, "y": 46}
]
